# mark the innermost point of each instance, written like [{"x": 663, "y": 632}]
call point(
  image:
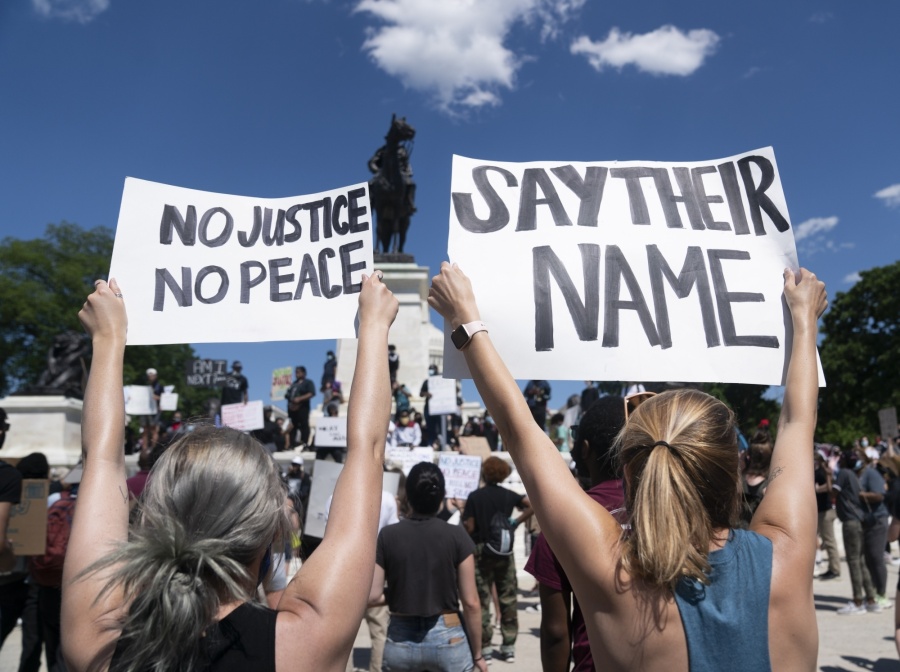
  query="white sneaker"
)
[
  {"x": 851, "y": 609},
  {"x": 873, "y": 607}
]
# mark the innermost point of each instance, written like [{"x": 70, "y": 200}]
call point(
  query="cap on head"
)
[
  {"x": 297, "y": 460},
  {"x": 237, "y": 365},
  {"x": 151, "y": 372}
]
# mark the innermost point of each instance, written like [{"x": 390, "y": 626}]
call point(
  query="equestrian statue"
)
[{"x": 391, "y": 189}]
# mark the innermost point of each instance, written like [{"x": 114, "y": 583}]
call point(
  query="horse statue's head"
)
[{"x": 400, "y": 131}]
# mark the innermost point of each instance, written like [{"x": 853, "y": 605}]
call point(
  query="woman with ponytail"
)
[
  {"x": 680, "y": 589},
  {"x": 178, "y": 593},
  {"x": 429, "y": 568}
]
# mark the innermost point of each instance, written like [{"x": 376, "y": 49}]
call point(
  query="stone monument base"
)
[{"x": 48, "y": 424}]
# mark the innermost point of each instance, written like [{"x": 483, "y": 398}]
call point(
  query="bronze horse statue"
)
[{"x": 391, "y": 189}]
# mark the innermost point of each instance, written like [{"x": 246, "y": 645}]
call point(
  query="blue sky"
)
[{"x": 287, "y": 97}]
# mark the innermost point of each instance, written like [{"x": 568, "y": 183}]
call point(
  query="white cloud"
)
[
  {"x": 852, "y": 278},
  {"x": 813, "y": 227},
  {"x": 664, "y": 51},
  {"x": 81, "y": 11},
  {"x": 454, "y": 49},
  {"x": 890, "y": 195}
]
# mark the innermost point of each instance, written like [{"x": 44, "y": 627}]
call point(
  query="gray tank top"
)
[{"x": 727, "y": 622}]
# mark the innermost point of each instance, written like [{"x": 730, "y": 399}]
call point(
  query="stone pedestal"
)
[
  {"x": 46, "y": 424},
  {"x": 419, "y": 343}
]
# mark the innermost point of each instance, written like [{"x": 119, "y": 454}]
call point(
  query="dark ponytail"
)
[{"x": 425, "y": 488}]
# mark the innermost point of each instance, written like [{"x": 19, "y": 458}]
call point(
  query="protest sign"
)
[
  {"x": 443, "y": 396},
  {"x": 201, "y": 267},
  {"x": 245, "y": 417},
  {"x": 627, "y": 270},
  {"x": 462, "y": 474},
  {"x": 474, "y": 445},
  {"x": 324, "y": 477},
  {"x": 887, "y": 419},
  {"x": 206, "y": 372},
  {"x": 27, "y": 528},
  {"x": 168, "y": 401},
  {"x": 407, "y": 458},
  {"x": 281, "y": 381},
  {"x": 139, "y": 400},
  {"x": 331, "y": 433}
]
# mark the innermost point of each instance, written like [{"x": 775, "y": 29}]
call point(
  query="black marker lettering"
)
[
  {"x": 247, "y": 283},
  {"x": 223, "y": 237},
  {"x": 223, "y": 284},
  {"x": 724, "y": 299},
  {"x": 756, "y": 195},
  {"x": 584, "y": 315},
  {"x": 276, "y": 279},
  {"x": 528, "y": 200},
  {"x": 616, "y": 269},
  {"x": 704, "y": 199},
  {"x": 498, "y": 214},
  {"x": 313, "y": 219},
  {"x": 733, "y": 196},
  {"x": 309, "y": 277},
  {"x": 339, "y": 227},
  {"x": 632, "y": 177},
  {"x": 186, "y": 228},
  {"x": 328, "y": 290},
  {"x": 181, "y": 293},
  {"x": 693, "y": 271},
  {"x": 354, "y": 211},
  {"x": 347, "y": 268},
  {"x": 589, "y": 190},
  {"x": 291, "y": 217}
]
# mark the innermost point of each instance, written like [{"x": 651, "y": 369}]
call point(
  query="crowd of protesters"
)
[{"x": 144, "y": 563}]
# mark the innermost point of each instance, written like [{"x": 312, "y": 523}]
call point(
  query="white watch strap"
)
[{"x": 473, "y": 328}]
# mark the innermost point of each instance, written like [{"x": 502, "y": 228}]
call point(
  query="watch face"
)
[{"x": 459, "y": 337}]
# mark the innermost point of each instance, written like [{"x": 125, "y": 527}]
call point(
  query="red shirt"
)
[
  {"x": 137, "y": 483},
  {"x": 543, "y": 566}
]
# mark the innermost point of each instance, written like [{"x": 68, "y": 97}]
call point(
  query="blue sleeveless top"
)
[{"x": 727, "y": 622}]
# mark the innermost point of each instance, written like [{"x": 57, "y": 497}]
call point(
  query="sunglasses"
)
[{"x": 632, "y": 401}]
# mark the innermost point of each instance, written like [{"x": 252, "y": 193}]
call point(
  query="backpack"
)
[
  {"x": 501, "y": 535},
  {"x": 47, "y": 569}
]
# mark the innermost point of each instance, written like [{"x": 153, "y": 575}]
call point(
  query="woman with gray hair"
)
[{"x": 177, "y": 594}]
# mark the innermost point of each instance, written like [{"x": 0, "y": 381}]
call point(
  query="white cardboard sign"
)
[
  {"x": 462, "y": 474},
  {"x": 443, "y": 396},
  {"x": 331, "y": 432},
  {"x": 324, "y": 479},
  {"x": 245, "y": 417},
  {"x": 407, "y": 458},
  {"x": 168, "y": 401},
  {"x": 634, "y": 270},
  {"x": 139, "y": 400},
  {"x": 201, "y": 267}
]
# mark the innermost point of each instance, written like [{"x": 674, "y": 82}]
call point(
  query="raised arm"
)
[
  {"x": 101, "y": 517},
  {"x": 325, "y": 602},
  {"x": 787, "y": 514},
  {"x": 571, "y": 521}
]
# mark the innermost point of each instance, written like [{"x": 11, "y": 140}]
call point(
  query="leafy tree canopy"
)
[
  {"x": 861, "y": 356},
  {"x": 43, "y": 284}
]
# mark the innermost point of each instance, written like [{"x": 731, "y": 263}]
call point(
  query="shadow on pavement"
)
[
  {"x": 880, "y": 665},
  {"x": 830, "y": 602}
]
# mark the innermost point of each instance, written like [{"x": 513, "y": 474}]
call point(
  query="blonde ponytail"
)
[{"x": 679, "y": 456}]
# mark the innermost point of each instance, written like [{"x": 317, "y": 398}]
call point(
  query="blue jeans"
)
[{"x": 426, "y": 644}]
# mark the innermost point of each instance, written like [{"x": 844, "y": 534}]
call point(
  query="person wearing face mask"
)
[
  {"x": 851, "y": 512},
  {"x": 406, "y": 433}
]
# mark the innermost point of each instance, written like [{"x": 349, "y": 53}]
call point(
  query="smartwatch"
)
[{"x": 462, "y": 335}]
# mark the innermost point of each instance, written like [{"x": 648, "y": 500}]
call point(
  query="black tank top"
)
[{"x": 243, "y": 640}]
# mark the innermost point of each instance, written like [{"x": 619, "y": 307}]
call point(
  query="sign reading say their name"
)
[
  {"x": 201, "y": 267},
  {"x": 627, "y": 270}
]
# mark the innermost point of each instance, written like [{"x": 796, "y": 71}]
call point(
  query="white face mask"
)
[{"x": 864, "y": 443}]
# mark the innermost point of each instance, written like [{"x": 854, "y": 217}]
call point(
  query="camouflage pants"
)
[{"x": 500, "y": 571}]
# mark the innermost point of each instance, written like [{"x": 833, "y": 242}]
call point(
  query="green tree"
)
[
  {"x": 43, "y": 284},
  {"x": 861, "y": 356}
]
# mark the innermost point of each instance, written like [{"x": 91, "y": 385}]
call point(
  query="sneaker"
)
[
  {"x": 533, "y": 608},
  {"x": 827, "y": 576},
  {"x": 852, "y": 609},
  {"x": 873, "y": 607},
  {"x": 883, "y": 602},
  {"x": 506, "y": 656}
]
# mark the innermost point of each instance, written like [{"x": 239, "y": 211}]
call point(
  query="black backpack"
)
[{"x": 500, "y": 536}]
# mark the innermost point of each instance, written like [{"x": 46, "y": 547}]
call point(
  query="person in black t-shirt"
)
[
  {"x": 298, "y": 396},
  {"x": 490, "y": 568},
  {"x": 236, "y": 386},
  {"x": 429, "y": 566}
]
